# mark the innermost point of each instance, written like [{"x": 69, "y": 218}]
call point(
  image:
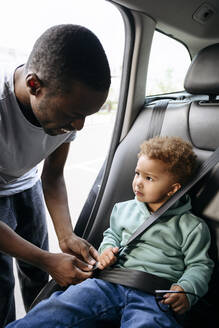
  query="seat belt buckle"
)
[
  {"x": 121, "y": 251},
  {"x": 95, "y": 266}
]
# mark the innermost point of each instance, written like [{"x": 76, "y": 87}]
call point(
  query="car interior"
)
[{"x": 192, "y": 113}]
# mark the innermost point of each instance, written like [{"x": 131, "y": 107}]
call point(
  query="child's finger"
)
[
  {"x": 100, "y": 266},
  {"x": 176, "y": 303},
  {"x": 179, "y": 309},
  {"x": 103, "y": 261},
  {"x": 115, "y": 250},
  {"x": 170, "y": 298},
  {"x": 109, "y": 257}
]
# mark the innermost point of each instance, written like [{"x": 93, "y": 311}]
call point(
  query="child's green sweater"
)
[{"x": 175, "y": 247}]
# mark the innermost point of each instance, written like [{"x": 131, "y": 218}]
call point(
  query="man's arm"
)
[
  {"x": 57, "y": 203},
  {"x": 62, "y": 267}
]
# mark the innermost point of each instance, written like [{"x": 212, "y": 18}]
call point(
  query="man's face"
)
[
  {"x": 58, "y": 114},
  {"x": 153, "y": 184}
]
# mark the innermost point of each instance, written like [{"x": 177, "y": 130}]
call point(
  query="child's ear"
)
[{"x": 174, "y": 188}]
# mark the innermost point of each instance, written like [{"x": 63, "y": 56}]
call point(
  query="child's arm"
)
[
  {"x": 178, "y": 302},
  {"x": 108, "y": 257},
  {"x": 112, "y": 236},
  {"x": 198, "y": 265}
]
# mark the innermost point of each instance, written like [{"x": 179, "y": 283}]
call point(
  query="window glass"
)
[{"x": 168, "y": 64}]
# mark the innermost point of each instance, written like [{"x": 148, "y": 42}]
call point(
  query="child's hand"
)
[
  {"x": 178, "y": 302},
  {"x": 108, "y": 257}
]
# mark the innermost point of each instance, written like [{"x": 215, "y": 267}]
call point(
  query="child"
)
[{"x": 175, "y": 247}]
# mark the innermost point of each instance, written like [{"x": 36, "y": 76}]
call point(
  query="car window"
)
[{"x": 168, "y": 64}]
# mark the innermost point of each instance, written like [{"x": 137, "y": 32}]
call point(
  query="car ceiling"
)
[{"x": 194, "y": 22}]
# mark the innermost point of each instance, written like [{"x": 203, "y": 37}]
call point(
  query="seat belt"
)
[
  {"x": 143, "y": 280},
  {"x": 157, "y": 117}
]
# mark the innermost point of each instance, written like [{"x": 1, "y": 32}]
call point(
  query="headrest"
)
[{"x": 203, "y": 73}]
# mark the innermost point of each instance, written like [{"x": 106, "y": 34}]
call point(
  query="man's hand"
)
[
  {"x": 66, "y": 269},
  {"x": 80, "y": 248},
  {"x": 178, "y": 301},
  {"x": 108, "y": 257}
]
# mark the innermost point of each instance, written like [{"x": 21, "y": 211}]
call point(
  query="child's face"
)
[{"x": 152, "y": 183}]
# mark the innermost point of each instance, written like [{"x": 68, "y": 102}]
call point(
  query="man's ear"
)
[
  {"x": 174, "y": 188},
  {"x": 34, "y": 84}
]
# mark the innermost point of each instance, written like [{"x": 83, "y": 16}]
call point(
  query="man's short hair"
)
[
  {"x": 177, "y": 153},
  {"x": 66, "y": 53}
]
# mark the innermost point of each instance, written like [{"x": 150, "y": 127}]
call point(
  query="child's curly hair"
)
[{"x": 175, "y": 152}]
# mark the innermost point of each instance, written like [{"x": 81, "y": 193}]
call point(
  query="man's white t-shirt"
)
[{"x": 22, "y": 144}]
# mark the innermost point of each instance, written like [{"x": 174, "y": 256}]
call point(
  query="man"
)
[{"x": 42, "y": 104}]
